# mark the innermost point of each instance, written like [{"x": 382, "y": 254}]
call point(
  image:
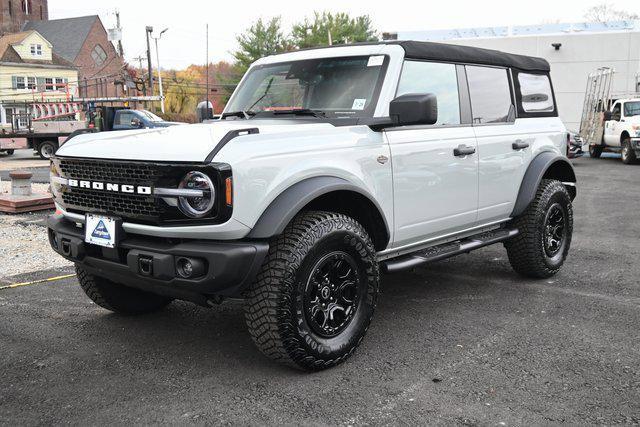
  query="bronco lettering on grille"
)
[{"x": 106, "y": 186}]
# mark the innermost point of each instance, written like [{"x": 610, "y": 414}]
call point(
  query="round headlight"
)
[{"x": 197, "y": 206}]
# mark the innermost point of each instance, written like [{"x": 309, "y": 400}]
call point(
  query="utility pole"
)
[
  {"x": 141, "y": 58},
  {"x": 160, "y": 70},
  {"x": 120, "y": 49},
  {"x": 330, "y": 41},
  {"x": 149, "y": 30},
  {"x": 209, "y": 114}
]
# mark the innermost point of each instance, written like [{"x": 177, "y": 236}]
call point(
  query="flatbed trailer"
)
[{"x": 46, "y": 129}]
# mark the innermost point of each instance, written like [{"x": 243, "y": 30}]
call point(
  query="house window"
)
[
  {"x": 31, "y": 83},
  {"x": 48, "y": 84},
  {"x": 36, "y": 50},
  {"x": 99, "y": 55},
  {"x": 20, "y": 83},
  {"x": 60, "y": 84}
]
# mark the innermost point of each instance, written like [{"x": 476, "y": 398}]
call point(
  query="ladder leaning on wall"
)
[{"x": 597, "y": 100}]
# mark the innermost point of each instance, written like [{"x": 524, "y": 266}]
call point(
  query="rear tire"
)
[
  {"x": 119, "y": 298},
  {"x": 10, "y": 152},
  {"x": 628, "y": 154},
  {"x": 595, "y": 151},
  {"x": 542, "y": 245},
  {"x": 313, "y": 300},
  {"x": 47, "y": 149}
]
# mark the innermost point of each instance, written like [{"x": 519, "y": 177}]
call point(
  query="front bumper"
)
[{"x": 149, "y": 263}]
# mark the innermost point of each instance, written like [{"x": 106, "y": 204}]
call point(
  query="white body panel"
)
[
  {"x": 613, "y": 129},
  {"x": 424, "y": 192}
]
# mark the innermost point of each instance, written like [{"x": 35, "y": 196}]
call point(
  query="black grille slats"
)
[
  {"x": 125, "y": 173},
  {"x": 125, "y": 205}
]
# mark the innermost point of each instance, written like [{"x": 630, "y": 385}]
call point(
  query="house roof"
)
[
  {"x": 9, "y": 54},
  {"x": 66, "y": 35}
]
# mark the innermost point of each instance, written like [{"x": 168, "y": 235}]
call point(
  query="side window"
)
[
  {"x": 537, "y": 96},
  {"x": 125, "y": 119},
  {"x": 490, "y": 94},
  {"x": 616, "y": 113},
  {"x": 438, "y": 79}
]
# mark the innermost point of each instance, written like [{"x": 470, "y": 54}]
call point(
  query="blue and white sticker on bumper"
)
[{"x": 100, "y": 230}]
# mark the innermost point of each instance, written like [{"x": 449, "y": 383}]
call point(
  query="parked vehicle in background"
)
[
  {"x": 621, "y": 131},
  {"x": 45, "y": 135},
  {"x": 610, "y": 121},
  {"x": 327, "y": 168},
  {"x": 574, "y": 146}
]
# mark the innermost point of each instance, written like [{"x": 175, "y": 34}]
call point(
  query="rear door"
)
[
  {"x": 435, "y": 190},
  {"x": 503, "y": 146}
]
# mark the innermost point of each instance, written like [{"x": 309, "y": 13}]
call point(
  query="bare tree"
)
[{"x": 606, "y": 12}]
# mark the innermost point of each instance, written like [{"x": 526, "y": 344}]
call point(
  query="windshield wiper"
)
[
  {"x": 296, "y": 112},
  {"x": 242, "y": 114}
]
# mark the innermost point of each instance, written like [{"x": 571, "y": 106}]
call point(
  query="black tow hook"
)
[{"x": 145, "y": 265}]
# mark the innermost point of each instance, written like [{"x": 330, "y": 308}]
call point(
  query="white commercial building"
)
[{"x": 573, "y": 50}]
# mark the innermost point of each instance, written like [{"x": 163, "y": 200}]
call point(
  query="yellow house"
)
[{"x": 31, "y": 72}]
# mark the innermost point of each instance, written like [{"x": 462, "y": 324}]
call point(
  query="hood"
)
[
  {"x": 165, "y": 124},
  {"x": 183, "y": 143}
]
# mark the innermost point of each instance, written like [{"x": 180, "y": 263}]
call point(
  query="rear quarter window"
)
[{"x": 536, "y": 93}]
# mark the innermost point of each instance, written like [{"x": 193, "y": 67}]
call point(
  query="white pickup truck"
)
[{"x": 621, "y": 131}]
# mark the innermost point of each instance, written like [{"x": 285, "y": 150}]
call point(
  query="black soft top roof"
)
[{"x": 470, "y": 55}]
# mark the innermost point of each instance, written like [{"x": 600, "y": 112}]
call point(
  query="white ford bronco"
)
[
  {"x": 328, "y": 168},
  {"x": 621, "y": 131}
]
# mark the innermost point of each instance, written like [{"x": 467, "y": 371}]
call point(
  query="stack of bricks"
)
[{"x": 21, "y": 198}]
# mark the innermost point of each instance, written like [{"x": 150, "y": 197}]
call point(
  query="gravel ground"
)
[
  {"x": 24, "y": 245},
  {"x": 464, "y": 341}
]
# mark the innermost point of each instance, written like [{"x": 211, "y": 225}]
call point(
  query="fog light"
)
[{"x": 188, "y": 268}]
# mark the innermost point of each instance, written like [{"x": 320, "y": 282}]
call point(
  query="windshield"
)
[
  {"x": 149, "y": 115},
  {"x": 632, "y": 109},
  {"x": 336, "y": 87}
]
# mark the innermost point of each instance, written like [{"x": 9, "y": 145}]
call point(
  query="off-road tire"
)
[
  {"x": 628, "y": 153},
  {"x": 595, "y": 151},
  {"x": 526, "y": 251},
  {"x": 275, "y": 309},
  {"x": 119, "y": 298}
]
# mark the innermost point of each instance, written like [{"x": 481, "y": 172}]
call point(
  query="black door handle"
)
[
  {"x": 463, "y": 150},
  {"x": 519, "y": 145}
]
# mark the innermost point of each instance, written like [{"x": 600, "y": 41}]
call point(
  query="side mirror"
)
[
  {"x": 136, "y": 123},
  {"x": 608, "y": 116},
  {"x": 414, "y": 109}
]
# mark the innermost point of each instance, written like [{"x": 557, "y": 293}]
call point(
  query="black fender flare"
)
[
  {"x": 534, "y": 174},
  {"x": 287, "y": 204}
]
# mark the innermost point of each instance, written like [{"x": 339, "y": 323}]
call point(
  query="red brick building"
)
[
  {"x": 84, "y": 42},
  {"x": 15, "y": 13}
]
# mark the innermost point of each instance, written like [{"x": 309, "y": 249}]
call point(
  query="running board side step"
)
[{"x": 446, "y": 250}]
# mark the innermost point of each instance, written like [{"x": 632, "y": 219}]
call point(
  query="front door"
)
[
  {"x": 435, "y": 183},
  {"x": 612, "y": 129}
]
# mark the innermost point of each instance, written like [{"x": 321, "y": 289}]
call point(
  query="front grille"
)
[
  {"x": 96, "y": 170},
  {"x": 134, "y": 206},
  {"x": 125, "y": 205}
]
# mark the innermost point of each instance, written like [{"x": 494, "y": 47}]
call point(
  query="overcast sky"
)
[{"x": 184, "y": 43}]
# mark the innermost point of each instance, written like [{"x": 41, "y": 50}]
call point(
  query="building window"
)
[
  {"x": 20, "y": 83},
  {"x": 31, "y": 83},
  {"x": 99, "y": 55},
  {"x": 60, "y": 84},
  {"x": 48, "y": 85},
  {"x": 36, "y": 50}
]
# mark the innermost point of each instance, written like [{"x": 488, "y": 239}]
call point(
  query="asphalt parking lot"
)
[{"x": 461, "y": 341}]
